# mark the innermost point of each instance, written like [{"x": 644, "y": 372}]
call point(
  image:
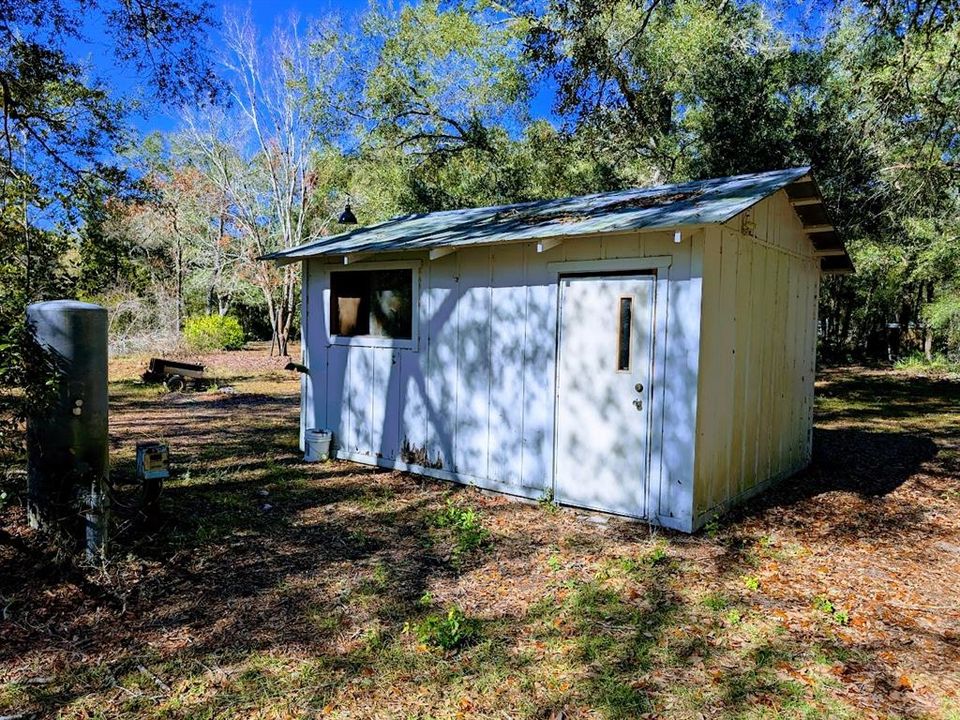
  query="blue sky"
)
[
  {"x": 790, "y": 13},
  {"x": 265, "y": 15}
]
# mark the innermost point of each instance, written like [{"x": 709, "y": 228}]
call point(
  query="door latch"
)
[{"x": 638, "y": 404}]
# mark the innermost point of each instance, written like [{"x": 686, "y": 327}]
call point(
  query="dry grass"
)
[{"x": 837, "y": 595}]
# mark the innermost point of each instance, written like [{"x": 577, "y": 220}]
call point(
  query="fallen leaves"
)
[{"x": 313, "y": 595}]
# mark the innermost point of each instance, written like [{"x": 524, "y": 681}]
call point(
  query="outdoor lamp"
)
[{"x": 347, "y": 217}]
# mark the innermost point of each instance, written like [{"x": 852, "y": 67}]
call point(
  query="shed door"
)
[{"x": 603, "y": 391}]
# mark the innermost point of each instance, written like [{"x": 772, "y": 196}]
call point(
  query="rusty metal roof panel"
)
[{"x": 693, "y": 203}]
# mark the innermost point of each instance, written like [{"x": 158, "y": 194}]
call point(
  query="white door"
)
[{"x": 603, "y": 392}]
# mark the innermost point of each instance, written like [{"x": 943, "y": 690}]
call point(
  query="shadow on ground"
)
[{"x": 269, "y": 586}]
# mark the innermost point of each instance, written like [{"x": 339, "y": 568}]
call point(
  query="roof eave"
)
[
  {"x": 808, "y": 204},
  {"x": 289, "y": 257}
]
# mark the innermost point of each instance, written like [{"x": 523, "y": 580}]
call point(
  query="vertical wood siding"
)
[
  {"x": 757, "y": 355},
  {"x": 475, "y": 400}
]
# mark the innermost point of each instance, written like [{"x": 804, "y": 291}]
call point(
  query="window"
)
[
  {"x": 372, "y": 303},
  {"x": 623, "y": 333}
]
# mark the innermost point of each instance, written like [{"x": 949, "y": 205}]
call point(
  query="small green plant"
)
[
  {"x": 657, "y": 556},
  {"x": 426, "y": 600},
  {"x": 715, "y": 601},
  {"x": 448, "y": 632},
  {"x": 358, "y": 538},
  {"x": 381, "y": 576},
  {"x": 555, "y": 563},
  {"x": 547, "y": 501},
  {"x": 373, "y": 638},
  {"x": 466, "y": 525},
  {"x": 213, "y": 332},
  {"x": 826, "y": 606},
  {"x": 734, "y": 616},
  {"x": 751, "y": 582},
  {"x": 823, "y": 604},
  {"x": 712, "y": 528}
]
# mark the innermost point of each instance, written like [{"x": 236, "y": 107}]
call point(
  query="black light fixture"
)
[{"x": 347, "y": 217}]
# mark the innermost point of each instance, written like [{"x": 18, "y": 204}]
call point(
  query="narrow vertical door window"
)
[{"x": 625, "y": 321}]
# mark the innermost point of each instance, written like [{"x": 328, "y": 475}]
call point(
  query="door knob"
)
[{"x": 638, "y": 387}]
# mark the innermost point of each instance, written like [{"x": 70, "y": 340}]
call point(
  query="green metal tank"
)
[{"x": 67, "y": 436}]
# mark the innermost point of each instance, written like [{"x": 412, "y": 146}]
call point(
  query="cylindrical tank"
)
[{"x": 67, "y": 432}]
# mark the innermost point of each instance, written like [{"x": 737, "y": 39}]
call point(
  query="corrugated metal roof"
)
[{"x": 667, "y": 206}]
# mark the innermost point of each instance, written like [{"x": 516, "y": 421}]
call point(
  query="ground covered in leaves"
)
[{"x": 272, "y": 588}]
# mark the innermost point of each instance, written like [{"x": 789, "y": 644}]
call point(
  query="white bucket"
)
[{"x": 316, "y": 445}]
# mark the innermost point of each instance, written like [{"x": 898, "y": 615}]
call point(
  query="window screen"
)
[{"x": 375, "y": 303}]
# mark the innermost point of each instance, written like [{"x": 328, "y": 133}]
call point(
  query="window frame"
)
[{"x": 412, "y": 343}]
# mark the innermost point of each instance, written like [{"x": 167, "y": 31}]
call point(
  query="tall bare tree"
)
[{"x": 261, "y": 157}]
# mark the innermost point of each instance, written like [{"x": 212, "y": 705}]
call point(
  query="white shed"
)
[{"x": 649, "y": 353}]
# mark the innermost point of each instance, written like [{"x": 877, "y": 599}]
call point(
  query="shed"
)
[{"x": 649, "y": 352}]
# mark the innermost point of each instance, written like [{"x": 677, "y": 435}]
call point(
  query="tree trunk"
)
[
  {"x": 179, "y": 283},
  {"x": 213, "y": 292},
  {"x": 927, "y": 330}
]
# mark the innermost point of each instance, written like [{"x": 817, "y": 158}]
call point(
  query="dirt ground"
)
[{"x": 273, "y": 588}]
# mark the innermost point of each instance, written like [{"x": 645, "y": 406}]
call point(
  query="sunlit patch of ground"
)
[{"x": 837, "y": 595}]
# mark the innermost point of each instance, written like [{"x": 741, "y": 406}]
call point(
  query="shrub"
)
[
  {"x": 213, "y": 332},
  {"x": 449, "y": 632}
]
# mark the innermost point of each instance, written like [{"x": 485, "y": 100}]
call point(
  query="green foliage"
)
[
  {"x": 824, "y": 605},
  {"x": 60, "y": 154},
  {"x": 451, "y": 631},
  {"x": 943, "y": 317},
  {"x": 712, "y": 528},
  {"x": 936, "y": 364},
  {"x": 442, "y": 75},
  {"x": 547, "y": 501},
  {"x": 657, "y": 556},
  {"x": 466, "y": 525},
  {"x": 213, "y": 332},
  {"x": 716, "y": 601},
  {"x": 751, "y": 582}
]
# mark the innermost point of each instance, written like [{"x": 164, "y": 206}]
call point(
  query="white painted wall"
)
[
  {"x": 472, "y": 399},
  {"x": 475, "y": 396}
]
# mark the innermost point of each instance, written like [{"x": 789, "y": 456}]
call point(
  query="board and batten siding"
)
[
  {"x": 757, "y": 355},
  {"x": 474, "y": 400}
]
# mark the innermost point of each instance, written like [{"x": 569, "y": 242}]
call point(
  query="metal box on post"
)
[
  {"x": 153, "y": 467},
  {"x": 153, "y": 461}
]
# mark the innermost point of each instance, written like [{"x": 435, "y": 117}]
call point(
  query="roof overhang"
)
[
  {"x": 669, "y": 208},
  {"x": 805, "y": 197}
]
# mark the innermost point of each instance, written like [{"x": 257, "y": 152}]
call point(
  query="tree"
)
[
  {"x": 60, "y": 130},
  {"x": 260, "y": 160},
  {"x": 441, "y": 78},
  {"x": 893, "y": 74}
]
